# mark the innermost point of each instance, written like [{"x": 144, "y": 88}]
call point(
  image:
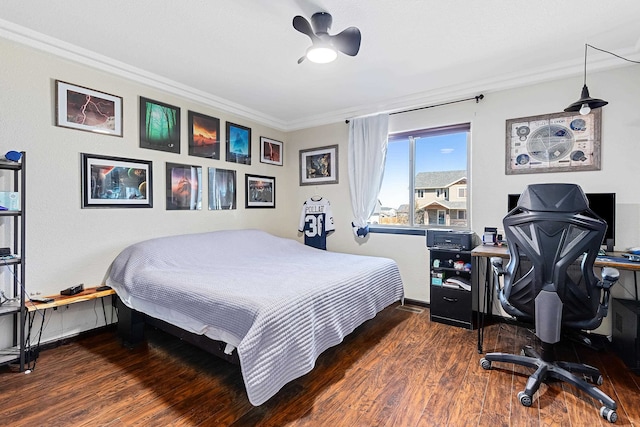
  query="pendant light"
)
[{"x": 585, "y": 104}]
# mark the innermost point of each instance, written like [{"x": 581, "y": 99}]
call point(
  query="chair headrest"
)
[{"x": 553, "y": 198}]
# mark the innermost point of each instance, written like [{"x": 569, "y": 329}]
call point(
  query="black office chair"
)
[{"x": 551, "y": 228}]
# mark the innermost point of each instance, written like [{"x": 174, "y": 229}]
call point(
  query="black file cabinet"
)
[
  {"x": 626, "y": 331},
  {"x": 450, "y": 287}
]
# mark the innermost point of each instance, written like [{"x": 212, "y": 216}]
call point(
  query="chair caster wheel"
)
[
  {"x": 486, "y": 364},
  {"x": 608, "y": 414},
  {"x": 524, "y": 399}
]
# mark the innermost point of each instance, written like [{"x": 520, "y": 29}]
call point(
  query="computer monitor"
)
[{"x": 603, "y": 204}]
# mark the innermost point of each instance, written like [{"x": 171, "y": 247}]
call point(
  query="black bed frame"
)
[{"x": 131, "y": 325}]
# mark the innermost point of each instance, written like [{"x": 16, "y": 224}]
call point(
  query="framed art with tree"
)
[{"x": 159, "y": 126}]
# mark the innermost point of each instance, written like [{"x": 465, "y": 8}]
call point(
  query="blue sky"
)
[{"x": 436, "y": 153}]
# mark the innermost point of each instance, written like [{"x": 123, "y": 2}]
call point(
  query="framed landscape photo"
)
[
  {"x": 86, "y": 109},
  {"x": 159, "y": 126},
  {"x": 260, "y": 191},
  {"x": 238, "y": 144},
  {"x": 115, "y": 182},
  {"x": 319, "y": 165},
  {"x": 184, "y": 187},
  {"x": 222, "y": 189},
  {"x": 204, "y": 135},
  {"x": 270, "y": 151},
  {"x": 558, "y": 142}
]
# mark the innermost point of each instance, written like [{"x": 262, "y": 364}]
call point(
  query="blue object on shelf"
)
[{"x": 13, "y": 156}]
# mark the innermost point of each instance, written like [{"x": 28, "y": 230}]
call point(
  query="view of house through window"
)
[{"x": 425, "y": 179}]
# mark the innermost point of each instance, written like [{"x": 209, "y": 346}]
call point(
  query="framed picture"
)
[
  {"x": 114, "y": 182},
  {"x": 184, "y": 187},
  {"x": 559, "y": 142},
  {"x": 238, "y": 144},
  {"x": 159, "y": 126},
  {"x": 319, "y": 165},
  {"x": 270, "y": 151},
  {"x": 260, "y": 191},
  {"x": 86, "y": 109},
  {"x": 204, "y": 136},
  {"x": 222, "y": 189}
]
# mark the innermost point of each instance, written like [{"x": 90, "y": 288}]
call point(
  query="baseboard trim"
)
[
  {"x": 409, "y": 301},
  {"x": 75, "y": 337}
]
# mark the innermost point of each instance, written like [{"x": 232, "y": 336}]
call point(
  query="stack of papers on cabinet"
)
[{"x": 457, "y": 283}]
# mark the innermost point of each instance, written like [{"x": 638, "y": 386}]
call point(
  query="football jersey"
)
[{"x": 316, "y": 220}]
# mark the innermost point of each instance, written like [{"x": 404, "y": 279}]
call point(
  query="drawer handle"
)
[{"x": 450, "y": 299}]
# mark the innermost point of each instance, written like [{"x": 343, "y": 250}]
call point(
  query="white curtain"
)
[{"x": 367, "y": 154}]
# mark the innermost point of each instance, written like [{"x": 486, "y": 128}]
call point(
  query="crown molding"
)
[
  {"x": 596, "y": 62},
  {"x": 89, "y": 58}
]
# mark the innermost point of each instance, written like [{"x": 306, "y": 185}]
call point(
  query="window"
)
[{"x": 426, "y": 180}]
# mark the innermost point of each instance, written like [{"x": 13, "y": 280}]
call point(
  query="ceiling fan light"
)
[{"x": 321, "y": 54}]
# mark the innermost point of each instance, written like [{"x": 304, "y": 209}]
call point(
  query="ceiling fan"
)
[{"x": 325, "y": 47}]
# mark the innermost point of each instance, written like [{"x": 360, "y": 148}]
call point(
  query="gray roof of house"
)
[
  {"x": 442, "y": 179},
  {"x": 446, "y": 204},
  {"x": 403, "y": 208}
]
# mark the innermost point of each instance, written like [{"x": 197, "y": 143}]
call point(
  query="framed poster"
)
[
  {"x": 86, "y": 109},
  {"x": 270, "y": 151},
  {"x": 184, "y": 187},
  {"x": 159, "y": 126},
  {"x": 559, "y": 142},
  {"x": 222, "y": 189},
  {"x": 204, "y": 135},
  {"x": 238, "y": 144},
  {"x": 260, "y": 191},
  {"x": 319, "y": 166},
  {"x": 115, "y": 182}
]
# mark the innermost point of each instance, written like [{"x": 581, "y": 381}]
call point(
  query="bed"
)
[{"x": 274, "y": 303}]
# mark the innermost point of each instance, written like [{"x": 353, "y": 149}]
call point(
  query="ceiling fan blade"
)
[
  {"x": 347, "y": 41},
  {"x": 302, "y": 25}
]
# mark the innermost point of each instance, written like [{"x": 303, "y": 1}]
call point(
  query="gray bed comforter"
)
[{"x": 280, "y": 303}]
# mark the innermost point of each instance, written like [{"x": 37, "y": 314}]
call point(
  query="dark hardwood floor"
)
[{"x": 399, "y": 369}]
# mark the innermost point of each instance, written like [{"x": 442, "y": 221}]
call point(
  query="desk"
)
[
  {"x": 613, "y": 259},
  {"x": 61, "y": 300},
  {"x": 33, "y": 308}
]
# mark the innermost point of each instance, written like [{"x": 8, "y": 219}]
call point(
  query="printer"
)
[{"x": 450, "y": 239}]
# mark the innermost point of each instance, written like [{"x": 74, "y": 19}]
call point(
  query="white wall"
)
[
  {"x": 489, "y": 184},
  {"x": 67, "y": 245}
]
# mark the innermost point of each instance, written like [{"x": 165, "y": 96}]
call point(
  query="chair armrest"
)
[
  {"x": 496, "y": 263},
  {"x": 610, "y": 276}
]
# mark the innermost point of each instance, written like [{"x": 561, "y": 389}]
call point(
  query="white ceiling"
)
[{"x": 241, "y": 55}]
